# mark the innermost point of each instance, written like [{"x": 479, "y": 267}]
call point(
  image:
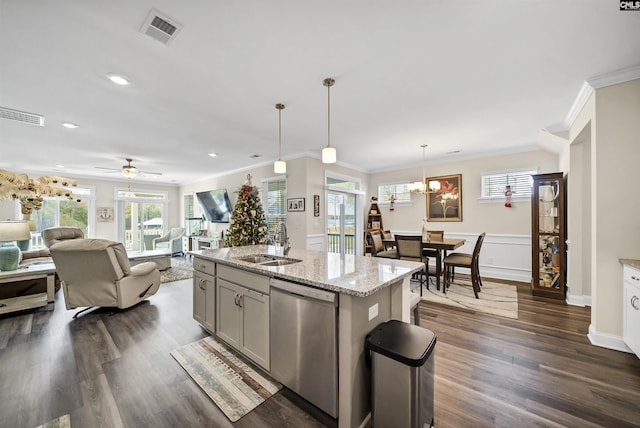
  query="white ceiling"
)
[{"x": 477, "y": 76}]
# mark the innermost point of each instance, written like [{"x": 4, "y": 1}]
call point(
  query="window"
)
[
  {"x": 274, "y": 204},
  {"x": 494, "y": 184},
  {"x": 56, "y": 212},
  {"x": 399, "y": 190}
]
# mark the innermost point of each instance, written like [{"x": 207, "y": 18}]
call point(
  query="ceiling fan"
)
[{"x": 128, "y": 170}]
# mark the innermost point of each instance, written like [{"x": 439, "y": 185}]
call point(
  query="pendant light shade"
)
[
  {"x": 328, "y": 153},
  {"x": 280, "y": 166},
  {"x": 423, "y": 186}
]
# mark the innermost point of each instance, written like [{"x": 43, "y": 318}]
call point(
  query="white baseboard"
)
[
  {"x": 576, "y": 300},
  {"x": 608, "y": 341}
]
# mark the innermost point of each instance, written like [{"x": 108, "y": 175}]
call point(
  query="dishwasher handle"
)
[{"x": 304, "y": 291}]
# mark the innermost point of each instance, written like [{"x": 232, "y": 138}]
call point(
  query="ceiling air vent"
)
[
  {"x": 21, "y": 116},
  {"x": 160, "y": 27}
]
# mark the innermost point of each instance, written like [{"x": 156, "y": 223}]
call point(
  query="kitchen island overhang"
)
[{"x": 370, "y": 291}]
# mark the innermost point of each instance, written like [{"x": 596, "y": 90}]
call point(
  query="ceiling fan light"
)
[
  {"x": 280, "y": 167},
  {"x": 329, "y": 155},
  {"x": 130, "y": 171}
]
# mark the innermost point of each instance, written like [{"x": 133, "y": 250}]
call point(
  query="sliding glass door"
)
[
  {"x": 141, "y": 218},
  {"x": 341, "y": 221}
]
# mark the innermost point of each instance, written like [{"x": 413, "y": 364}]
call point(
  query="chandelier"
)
[
  {"x": 421, "y": 186},
  {"x": 31, "y": 192}
]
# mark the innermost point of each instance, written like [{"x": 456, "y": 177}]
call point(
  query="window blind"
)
[
  {"x": 275, "y": 204},
  {"x": 494, "y": 185}
]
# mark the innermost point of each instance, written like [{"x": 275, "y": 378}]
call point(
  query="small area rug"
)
[
  {"x": 61, "y": 422},
  {"x": 232, "y": 384},
  {"x": 495, "y": 299},
  {"x": 180, "y": 269}
]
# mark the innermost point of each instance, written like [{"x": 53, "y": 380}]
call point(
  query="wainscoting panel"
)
[
  {"x": 502, "y": 256},
  {"x": 317, "y": 242}
]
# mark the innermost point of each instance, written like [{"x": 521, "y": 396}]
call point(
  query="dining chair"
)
[
  {"x": 387, "y": 236},
  {"x": 409, "y": 247},
  {"x": 414, "y": 304},
  {"x": 434, "y": 235},
  {"x": 465, "y": 260},
  {"x": 378, "y": 249}
]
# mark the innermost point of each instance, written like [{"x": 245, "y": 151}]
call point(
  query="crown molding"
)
[{"x": 597, "y": 82}]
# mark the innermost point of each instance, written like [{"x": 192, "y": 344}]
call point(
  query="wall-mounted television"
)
[{"x": 216, "y": 206}]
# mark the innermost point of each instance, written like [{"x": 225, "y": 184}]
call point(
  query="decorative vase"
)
[{"x": 9, "y": 257}]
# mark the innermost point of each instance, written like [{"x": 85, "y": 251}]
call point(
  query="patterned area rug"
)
[
  {"x": 61, "y": 422},
  {"x": 495, "y": 299},
  {"x": 233, "y": 385},
  {"x": 180, "y": 269}
]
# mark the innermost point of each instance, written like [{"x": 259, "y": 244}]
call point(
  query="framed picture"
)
[
  {"x": 316, "y": 205},
  {"x": 445, "y": 203},
  {"x": 295, "y": 204},
  {"x": 105, "y": 214}
]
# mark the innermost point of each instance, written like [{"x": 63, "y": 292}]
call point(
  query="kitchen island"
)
[{"x": 236, "y": 288}]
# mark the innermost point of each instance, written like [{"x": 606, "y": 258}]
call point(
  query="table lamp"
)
[{"x": 11, "y": 231}]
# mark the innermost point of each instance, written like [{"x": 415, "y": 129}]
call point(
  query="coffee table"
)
[
  {"x": 162, "y": 259},
  {"x": 28, "y": 277}
]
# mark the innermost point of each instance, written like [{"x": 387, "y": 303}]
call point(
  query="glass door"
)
[
  {"x": 141, "y": 218},
  {"x": 341, "y": 221}
]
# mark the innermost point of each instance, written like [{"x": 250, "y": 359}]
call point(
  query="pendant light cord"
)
[
  {"x": 279, "y": 134},
  {"x": 328, "y": 115}
]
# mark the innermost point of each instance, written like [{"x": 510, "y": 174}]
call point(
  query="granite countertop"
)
[
  {"x": 631, "y": 262},
  {"x": 355, "y": 275}
]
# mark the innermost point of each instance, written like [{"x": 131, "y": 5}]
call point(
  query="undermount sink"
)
[{"x": 268, "y": 260}]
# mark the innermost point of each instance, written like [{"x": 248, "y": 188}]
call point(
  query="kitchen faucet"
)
[{"x": 286, "y": 244}]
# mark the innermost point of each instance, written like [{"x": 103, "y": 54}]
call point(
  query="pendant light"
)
[
  {"x": 423, "y": 186},
  {"x": 280, "y": 166},
  {"x": 328, "y": 153}
]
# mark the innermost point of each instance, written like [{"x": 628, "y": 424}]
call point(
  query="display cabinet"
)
[{"x": 548, "y": 220}]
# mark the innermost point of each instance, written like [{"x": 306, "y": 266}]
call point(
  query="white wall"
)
[
  {"x": 615, "y": 202},
  {"x": 506, "y": 251}
]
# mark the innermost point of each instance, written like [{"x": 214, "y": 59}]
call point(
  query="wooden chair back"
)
[{"x": 409, "y": 247}]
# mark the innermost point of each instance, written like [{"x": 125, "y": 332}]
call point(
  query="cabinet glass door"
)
[{"x": 549, "y": 234}]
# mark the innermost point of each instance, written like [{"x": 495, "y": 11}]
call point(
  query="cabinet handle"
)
[
  {"x": 202, "y": 286},
  {"x": 240, "y": 300},
  {"x": 235, "y": 299},
  {"x": 635, "y": 278},
  {"x": 634, "y": 303}
]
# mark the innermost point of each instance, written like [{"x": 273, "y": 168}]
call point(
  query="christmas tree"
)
[{"x": 248, "y": 225}]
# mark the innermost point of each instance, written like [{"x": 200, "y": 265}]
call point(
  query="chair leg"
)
[{"x": 416, "y": 314}]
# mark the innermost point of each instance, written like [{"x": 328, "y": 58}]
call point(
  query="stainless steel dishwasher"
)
[{"x": 304, "y": 342}]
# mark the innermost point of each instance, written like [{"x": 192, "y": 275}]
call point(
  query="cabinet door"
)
[
  {"x": 204, "y": 300},
  {"x": 631, "y": 311},
  {"x": 228, "y": 309},
  {"x": 199, "y": 297},
  {"x": 255, "y": 327}
]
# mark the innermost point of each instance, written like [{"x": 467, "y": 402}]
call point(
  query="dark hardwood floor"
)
[{"x": 116, "y": 371}]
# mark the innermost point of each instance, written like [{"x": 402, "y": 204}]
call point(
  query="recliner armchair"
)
[
  {"x": 53, "y": 235},
  {"x": 172, "y": 241},
  {"x": 96, "y": 272}
]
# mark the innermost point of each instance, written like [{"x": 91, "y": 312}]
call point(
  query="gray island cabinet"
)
[{"x": 232, "y": 299}]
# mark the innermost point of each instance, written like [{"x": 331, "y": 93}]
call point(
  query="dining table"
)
[{"x": 440, "y": 246}]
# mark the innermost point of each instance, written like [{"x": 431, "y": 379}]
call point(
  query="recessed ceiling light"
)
[
  {"x": 59, "y": 166},
  {"x": 70, "y": 125},
  {"x": 118, "y": 79},
  {"x": 213, "y": 155}
]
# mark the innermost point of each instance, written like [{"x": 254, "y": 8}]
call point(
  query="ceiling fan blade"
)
[
  {"x": 108, "y": 169},
  {"x": 150, "y": 173}
]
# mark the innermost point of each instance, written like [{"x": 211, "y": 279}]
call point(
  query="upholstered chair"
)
[
  {"x": 171, "y": 242},
  {"x": 96, "y": 272},
  {"x": 53, "y": 235}
]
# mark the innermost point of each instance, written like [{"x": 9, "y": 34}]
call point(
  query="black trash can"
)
[{"x": 402, "y": 370}]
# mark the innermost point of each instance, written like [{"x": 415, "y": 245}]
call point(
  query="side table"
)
[{"x": 43, "y": 272}]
